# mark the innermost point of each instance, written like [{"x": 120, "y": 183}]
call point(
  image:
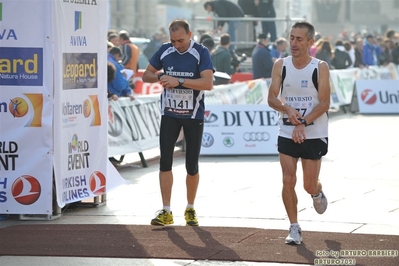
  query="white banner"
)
[
  {"x": 80, "y": 113},
  {"x": 133, "y": 126},
  {"x": 240, "y": 129},
  {"x": 343, "y": 82},
  {"x": 248, "y": 92},
  {"x": 378, "y": 96},
  {"x": 25, "y": 108},
  {"x": 384, "y": 72}
]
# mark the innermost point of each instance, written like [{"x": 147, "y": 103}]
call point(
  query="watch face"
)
[{"x": 181, "y": 80}]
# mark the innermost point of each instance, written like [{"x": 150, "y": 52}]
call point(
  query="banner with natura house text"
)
[{"x": 26, "y": 80}]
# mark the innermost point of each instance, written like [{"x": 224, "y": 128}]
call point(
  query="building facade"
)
[
  {"x": 330, "y": 17},
  {"x": 142, "y": 18}
]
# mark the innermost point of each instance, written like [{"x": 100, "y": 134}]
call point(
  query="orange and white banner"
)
[{"x": 26, "y": 81}]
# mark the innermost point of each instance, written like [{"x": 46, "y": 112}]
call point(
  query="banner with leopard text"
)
[
  {"x": 26, "y": 80},
  {"x": 80, "y": 107}
]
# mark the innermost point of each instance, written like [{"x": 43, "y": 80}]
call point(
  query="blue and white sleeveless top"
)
[
  {"x": 299, "y": 90},
  {"x": 182, "y": 102}
]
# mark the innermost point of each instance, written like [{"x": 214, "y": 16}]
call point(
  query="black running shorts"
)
[{"x": 312, "y": 149}]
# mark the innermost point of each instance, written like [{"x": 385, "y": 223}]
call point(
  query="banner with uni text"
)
[{"x": 26, "y": 80}]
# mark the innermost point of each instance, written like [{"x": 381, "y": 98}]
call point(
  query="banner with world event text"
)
[
  {"x": 26, "y": 79},
  {"x": 80, "y": 108}
]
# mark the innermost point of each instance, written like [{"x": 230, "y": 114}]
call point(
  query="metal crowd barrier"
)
[{"x": 213, "y": 19}]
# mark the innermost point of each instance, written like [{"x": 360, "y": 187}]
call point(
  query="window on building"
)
[
  {"x": 367, "y": 7},
  {"x": 348, "y": 10},
  {"x": 327, "y": 10}
]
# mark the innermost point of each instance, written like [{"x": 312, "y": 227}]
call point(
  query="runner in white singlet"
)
[{"x": 300, "y": 91}]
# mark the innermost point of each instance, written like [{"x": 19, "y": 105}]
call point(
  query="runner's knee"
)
[
  {"x": 192, "y": 170},
  {"x": 165, "y": 165},
  {"x": 289, "y": 181},
  {"x": 311, "y": 189}
]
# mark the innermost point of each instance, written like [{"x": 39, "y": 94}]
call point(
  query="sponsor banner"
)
[
  {"x": 342, "y": 85},
  {"x": 21, "y": 66},
  {"x": 26, "y": 90},
  {"x": 240, "y": 130},
  {"x": 389, "y": 71},
  {"x": 241, "y": 93},
  {"x": 79, "y": 71},
  {"x": 144, "y": 88},
  {"x": 80, "y": 103},
  {"x": 248, "y": 92},
  {"x": 343, "y": 81},
  {"x": 378, "y": 96},
  {"x": 81, "y": 111},
  {"x": 335, "y": 103},
  {"x": 133, "y": 126}
]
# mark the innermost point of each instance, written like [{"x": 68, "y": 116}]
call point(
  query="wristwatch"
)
[
  {"x": 181, "y": 81},
  {"x": 303, "y": 122},
  {"x": 160, "y": 75}
]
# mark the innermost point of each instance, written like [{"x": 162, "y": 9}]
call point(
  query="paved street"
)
[{"x": 360, "y": 176}]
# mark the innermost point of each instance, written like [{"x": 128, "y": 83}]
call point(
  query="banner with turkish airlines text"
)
[
  {"x": 26, "y": 80},
  {"x": 80, "y": 108}
]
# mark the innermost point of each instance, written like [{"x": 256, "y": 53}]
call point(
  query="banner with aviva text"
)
[
  {"x": 26, "y": 100},
  {"x": 80, "y": 108}
]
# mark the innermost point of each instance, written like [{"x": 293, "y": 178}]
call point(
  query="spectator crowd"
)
[
  {"x": 361, "y": 49},
  {"x": 344, "y": 51}
]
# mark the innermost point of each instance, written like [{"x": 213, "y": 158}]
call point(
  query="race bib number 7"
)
[{"x": 303, "y": 107}]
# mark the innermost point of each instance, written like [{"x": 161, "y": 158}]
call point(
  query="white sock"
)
[
  {"x": 167, "y": 208},
  {"x": 295, "y": 224},
  {"x": 190, "y": 206}
]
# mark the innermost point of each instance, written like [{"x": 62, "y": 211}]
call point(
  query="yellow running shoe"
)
[
  {"x": 163, "y": 217},
  {"x": 191, "y": 217}
]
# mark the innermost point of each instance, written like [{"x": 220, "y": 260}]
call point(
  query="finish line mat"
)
[{"x": 197, "y": 243}]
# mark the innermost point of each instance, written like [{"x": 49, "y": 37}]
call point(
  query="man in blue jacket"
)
[
  {"x": 371, "y": 51},
  {"x": 119, "y": 86},
  {"x": 262, "y": 62}
]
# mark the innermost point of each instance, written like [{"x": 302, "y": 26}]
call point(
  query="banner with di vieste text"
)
[
  {"x": 238, "y": 120},
  {"x": 26, "y": 79},
  {"x": 80, "y": 108},
  {"x": 238, "y": 129}
]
